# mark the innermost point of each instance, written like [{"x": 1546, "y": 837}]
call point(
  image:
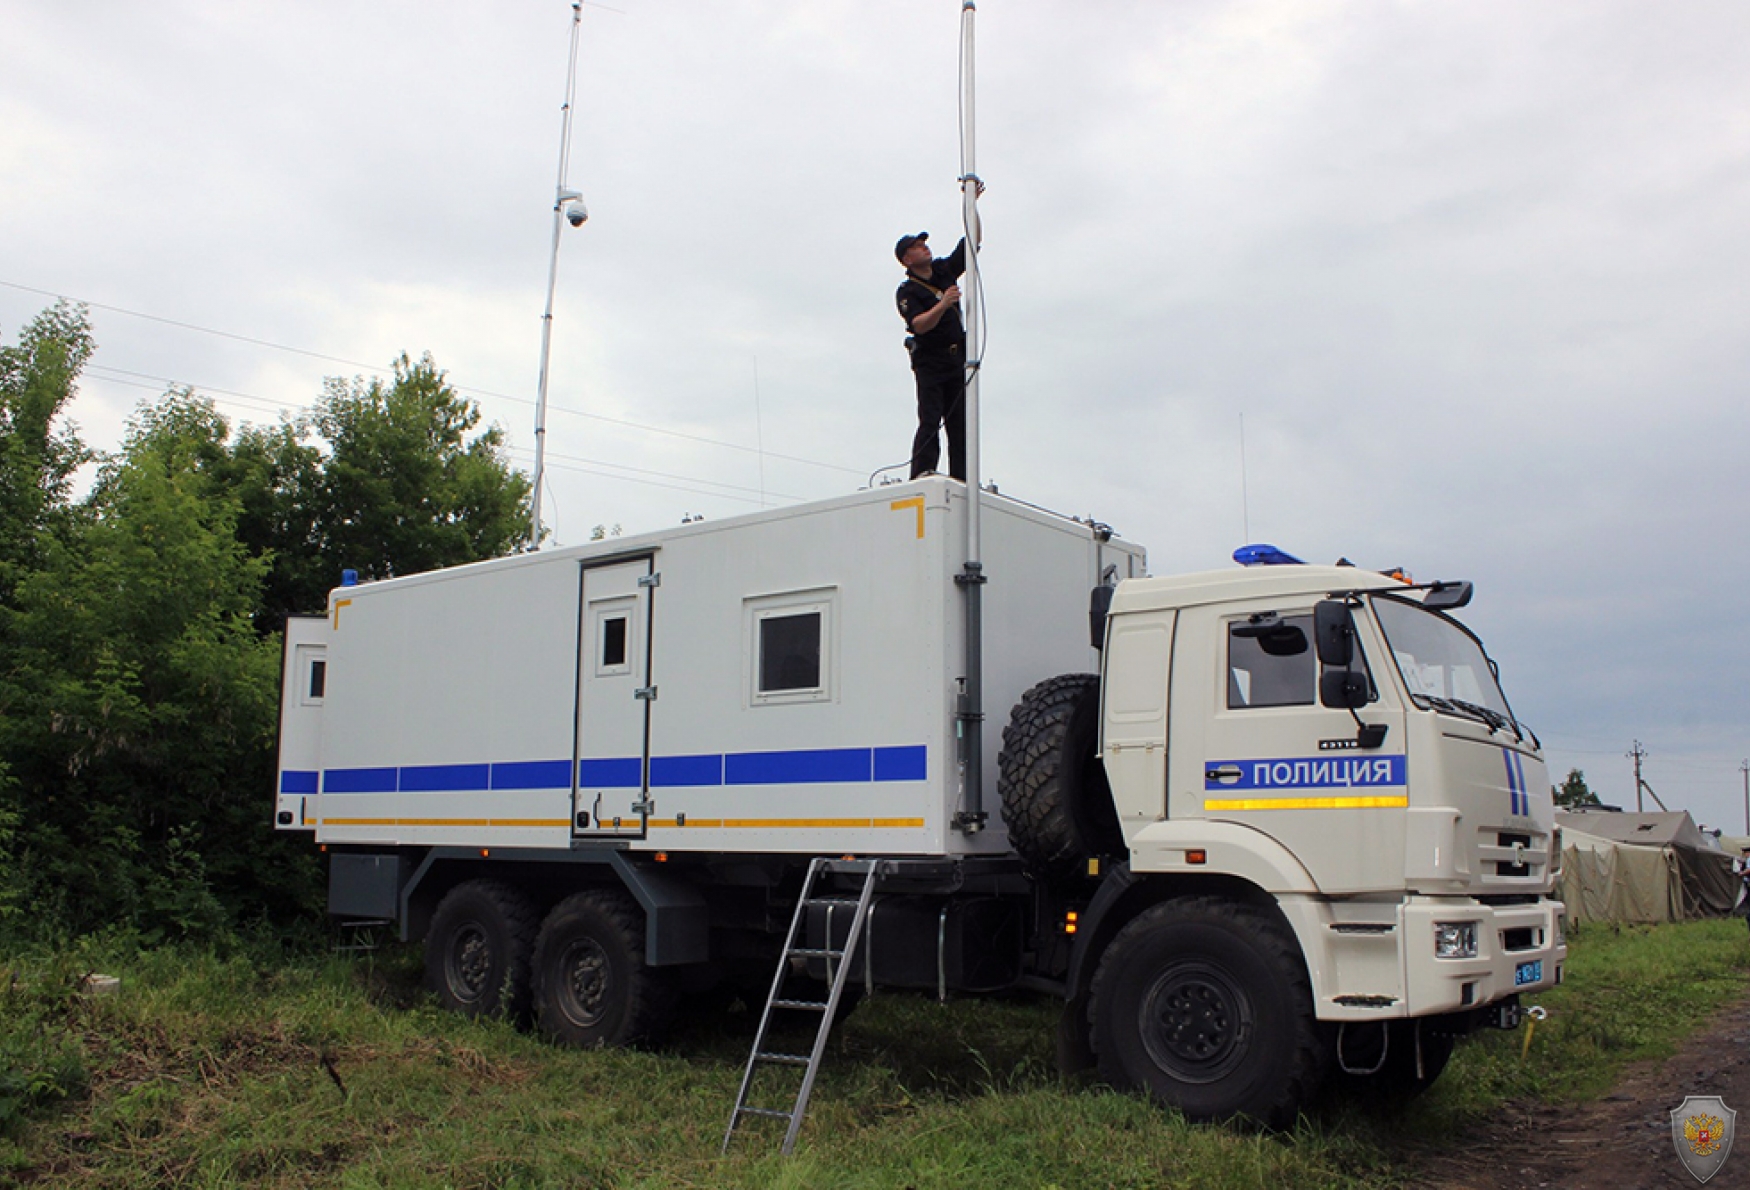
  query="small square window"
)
[
  {"x": 318, "y": 678},
  {"x": 611, "y": 622},
  {"x": 613, "y": 641},
  {"x": 789, "y": 642},
  {"x": 790, "y": 652}
]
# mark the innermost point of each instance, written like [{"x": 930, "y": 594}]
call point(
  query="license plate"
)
[{"x": 1525, "y": 973}]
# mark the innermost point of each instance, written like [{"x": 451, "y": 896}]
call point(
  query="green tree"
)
[
  {"x": 404, "y": 488},
  {"x": 39, "y": 451},
  {"x": 142, "y": 711},
  {"x": 1574, "y": 793}
]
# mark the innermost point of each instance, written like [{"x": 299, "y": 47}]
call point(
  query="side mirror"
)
[
  {"x": 1343, "y": 688},
  {"x": 1334, "y": 628},
  {"x": 1444, "y": 595},
  {"x": 1099, "y": 603}
]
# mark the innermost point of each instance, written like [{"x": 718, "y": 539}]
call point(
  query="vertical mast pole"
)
[
  {"x": 972, "y": 817},
  {"x": 560, "y": 196}
]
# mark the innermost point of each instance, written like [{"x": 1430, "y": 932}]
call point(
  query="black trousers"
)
[{"x": 941, "y": 405}]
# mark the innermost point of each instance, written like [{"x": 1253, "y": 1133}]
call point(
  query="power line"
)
[{"x": 461, "y": 388}]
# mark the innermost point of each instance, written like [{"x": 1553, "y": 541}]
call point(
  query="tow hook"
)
[
  {"x": 1507, "y": 1014},
  {"x": 1535, "y": 1013}
]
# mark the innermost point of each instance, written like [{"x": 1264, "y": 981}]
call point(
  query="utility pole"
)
[
  {"x": 1636, "y": 754},
  {"x": 1744, "y": 767}
]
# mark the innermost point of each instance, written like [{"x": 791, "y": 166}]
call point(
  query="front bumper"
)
[{"x": 1519, "y": 950}]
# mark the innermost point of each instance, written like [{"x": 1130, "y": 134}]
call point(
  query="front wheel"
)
[
  {"x": 592, "y": 987},
  {"x": 1205, "y": 1004}
]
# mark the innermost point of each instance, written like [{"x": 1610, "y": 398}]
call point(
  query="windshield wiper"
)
[
  {"x": 1495, "y": 719},
  {"x": 1460, "y": 707}
]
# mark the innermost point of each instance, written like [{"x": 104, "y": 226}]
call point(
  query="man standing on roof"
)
[{"x": 929, "y": 301}]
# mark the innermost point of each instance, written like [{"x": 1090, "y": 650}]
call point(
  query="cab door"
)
[
  {"x": 1273, "y": 758},
  {"x": 615, "y": 696}
]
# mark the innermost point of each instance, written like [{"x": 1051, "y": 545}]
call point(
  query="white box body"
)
[{"x": 663, "y": 687}]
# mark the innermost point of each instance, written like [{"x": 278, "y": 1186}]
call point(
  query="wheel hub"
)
[
  {"x": 1195, "y": 1022},
  {"x": 470, "y": 963},
  {"x": 587, "y": 984}
]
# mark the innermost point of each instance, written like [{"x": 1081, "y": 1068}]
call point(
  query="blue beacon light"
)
[{"x": 1264, "y": 555}]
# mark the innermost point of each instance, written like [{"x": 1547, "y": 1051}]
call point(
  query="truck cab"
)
[{"x": 1328, "y": 752}]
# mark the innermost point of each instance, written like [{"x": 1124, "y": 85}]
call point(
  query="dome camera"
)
[{"x": 576, "y": 213}]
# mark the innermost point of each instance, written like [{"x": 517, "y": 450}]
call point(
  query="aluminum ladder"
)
[{"x": 836, "y": 969}]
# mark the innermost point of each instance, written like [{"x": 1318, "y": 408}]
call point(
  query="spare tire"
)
[{"x": 1056, "y": 802}]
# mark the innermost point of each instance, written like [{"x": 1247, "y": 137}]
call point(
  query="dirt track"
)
[{"x": 1622, "y": 1140}]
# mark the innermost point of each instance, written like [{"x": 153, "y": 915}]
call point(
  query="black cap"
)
[{"x": 905, "y": 243}]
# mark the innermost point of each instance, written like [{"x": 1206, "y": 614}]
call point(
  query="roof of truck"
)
[{"x": 1248, "y": 582}]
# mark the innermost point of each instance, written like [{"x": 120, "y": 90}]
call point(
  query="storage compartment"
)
[{"x": 967, "y": 944}]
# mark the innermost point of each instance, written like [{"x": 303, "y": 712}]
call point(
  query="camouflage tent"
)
[{"x": 1642, "y": 868}]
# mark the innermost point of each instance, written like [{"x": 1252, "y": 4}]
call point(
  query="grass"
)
[{"x": 245, "y": 1069}]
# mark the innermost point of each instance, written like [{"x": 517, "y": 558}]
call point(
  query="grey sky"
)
[{"x": 1474, "y": 274}]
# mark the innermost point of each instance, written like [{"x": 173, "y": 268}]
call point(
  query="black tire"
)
[
  {"x": 1205, "y": 1004},
  {"x": 1056, "y": 801},
  {"x": 1396, "y": 1081},
  {"x": 477, "y": 950},
  {"x": 592, "y": 987}
]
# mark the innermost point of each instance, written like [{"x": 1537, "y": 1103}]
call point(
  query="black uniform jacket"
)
[{"x": 943, "y": 346}]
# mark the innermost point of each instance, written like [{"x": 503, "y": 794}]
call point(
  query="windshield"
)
[{"x": 1443, "y": 665}]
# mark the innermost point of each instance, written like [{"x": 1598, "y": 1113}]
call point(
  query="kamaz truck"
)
[{"x": 1259, "y": 828}]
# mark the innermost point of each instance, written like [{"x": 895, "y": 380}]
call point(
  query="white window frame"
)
[
  {"x": 617, "y": 607},
  {"x": 305, "y": 658},
  {"x": 757, "y": 609}
]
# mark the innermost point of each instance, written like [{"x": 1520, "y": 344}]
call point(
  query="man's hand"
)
[{"x": 951, "y": 296}]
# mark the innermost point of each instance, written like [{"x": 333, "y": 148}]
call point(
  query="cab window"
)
[{"x": 1265, "y": 674}]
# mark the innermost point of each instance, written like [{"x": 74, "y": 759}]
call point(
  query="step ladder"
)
[{"x": 837, "y": 968}]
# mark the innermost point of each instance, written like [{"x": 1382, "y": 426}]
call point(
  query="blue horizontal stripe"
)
[
  {"x": 901, "y": 764},
  {"x": 615, "y": 772},
  {"x": 359, "y": 781},
  {"x": 669, "y": 771},
  {"x": 798, "y": 767},
  {"x": 532, "y": 774},
  {"x": 298, "y": 781},
  {"x": 445, "y": 778},
  {"x": 820, "y": 766}
]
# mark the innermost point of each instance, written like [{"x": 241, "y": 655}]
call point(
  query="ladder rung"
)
[
  {"x": 769, "y": 1113},
  {"x": 812, "y": 953},
  {"x": 804, "y": 1005},
  {"x": 847, "y": 902},
  {"x": 783, "y": 1059}
]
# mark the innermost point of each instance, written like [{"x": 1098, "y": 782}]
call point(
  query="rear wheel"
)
[
  {"x": 592, "y": 986},
  {"x": 1205, "y": 1004},
  {"x": 477, "y": 950}
]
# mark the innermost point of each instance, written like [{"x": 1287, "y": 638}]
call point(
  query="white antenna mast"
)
[
  {"x": 971, "y": 578},
  {"x": 567, "y": 206}
]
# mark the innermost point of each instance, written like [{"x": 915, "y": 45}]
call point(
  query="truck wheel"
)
[
  {"x": 1056, "y": 802},
  {"x": 592, "y": 987},
  {"x": 1396, "y": 1079},
  {"x": 1205, "y": 1004},
  {"x": 477, "y": 950}
]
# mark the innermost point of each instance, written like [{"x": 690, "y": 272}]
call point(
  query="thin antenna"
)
[
  {"x": 759, "y": 434},
  {"x": 566, "y": 205},
  {"x": 1245, "y": 491}
]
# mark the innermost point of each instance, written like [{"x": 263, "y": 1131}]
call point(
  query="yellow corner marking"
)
[
  {"x": 338, "y": 604},
  {"x": 916, "y": 502},
  {"x": 1309, "y": 803}
]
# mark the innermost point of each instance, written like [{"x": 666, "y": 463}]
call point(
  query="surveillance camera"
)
[{"x": 576, "y": 214}]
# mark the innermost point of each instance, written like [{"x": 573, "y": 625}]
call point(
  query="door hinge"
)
[
  {"x": 647, "y": 693},
  {"x": 650, "y": 580}
]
